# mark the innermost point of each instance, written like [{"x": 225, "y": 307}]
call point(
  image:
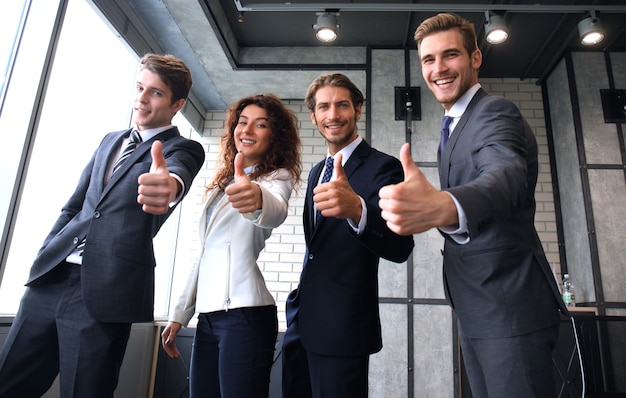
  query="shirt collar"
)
[
  {"x": 462, "y": 103},
  {"x": 149, "y": 133},
  {"x": 346, "y": 151}
]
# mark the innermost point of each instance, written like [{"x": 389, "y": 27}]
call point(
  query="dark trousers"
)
[
  {"x": 232, "y": 353},
  {"x": 309, "y": 375},
  {"x": 54, "y": 334},
  {"x": 513, "y": 367}
]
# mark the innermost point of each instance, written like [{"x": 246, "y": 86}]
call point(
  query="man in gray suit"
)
[
  {"x": 496, "y": 275},
  {"x": 94, "y": 275}
]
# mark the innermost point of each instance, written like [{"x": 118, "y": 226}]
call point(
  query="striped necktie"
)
[{"x": 134, "y": 139}]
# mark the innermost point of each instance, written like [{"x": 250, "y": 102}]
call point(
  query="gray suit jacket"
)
[
  {"x": 500, "y": 284},
  {"x": 117, "y": 273}
]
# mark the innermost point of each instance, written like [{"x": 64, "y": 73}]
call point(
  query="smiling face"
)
[
  {"x": 153, "y": 102},
  {"x": 448, "y": 69},
  {"x": 252, "y": 134},
  {"x": 335, "y": 116}
]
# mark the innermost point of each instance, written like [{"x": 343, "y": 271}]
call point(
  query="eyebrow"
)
[
  {"x": 257, "y": 119},
  {"x": 342, "y": 101},
  {"x": 147, "y": 87}
]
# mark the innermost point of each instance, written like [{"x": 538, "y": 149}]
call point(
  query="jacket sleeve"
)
[
  {"x": 495, "y": 165},
  {"x": 377, "y": 237},
  {"x": 276, "y": 190}
]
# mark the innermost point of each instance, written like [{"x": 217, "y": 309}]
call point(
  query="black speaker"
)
[
  {"x": 405, "y": 96},
  {"x": 613, "y": 105}
]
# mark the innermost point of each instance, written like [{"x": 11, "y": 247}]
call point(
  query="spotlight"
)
[
  {"x": 495, "y": 29},
  {"x": 326, "y": 27},
  {"x": 590, "y": 30}
]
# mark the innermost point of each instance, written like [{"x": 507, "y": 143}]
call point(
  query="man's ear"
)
[
  {"x": 357, "y": 112},
  {"x": 477, "y": 59},
  {"x": 178, "y": 105},
  {"x": 313, "y": 119}
]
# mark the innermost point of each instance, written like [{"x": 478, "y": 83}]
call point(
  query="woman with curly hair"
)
[{"x": 237, "y": 326}]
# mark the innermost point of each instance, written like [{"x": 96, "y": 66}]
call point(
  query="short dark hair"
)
[
  {"x": 447, "y": 21},
  {"x": 173, "y": 71},
  {"x": 335, "y": 80}
]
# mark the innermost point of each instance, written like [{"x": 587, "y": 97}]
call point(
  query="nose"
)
[
  {"x": 333, "y": 111},
  {"x": 244, "y": 128},
  {"x": 141, "y": 96},
  {"x": 440, "y": 65}
]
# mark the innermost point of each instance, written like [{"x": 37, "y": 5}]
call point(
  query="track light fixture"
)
[
  {"x": 590, "y": 30},
  {"x": 495, "y": 28},
  {"x": 326, "y": 27}
]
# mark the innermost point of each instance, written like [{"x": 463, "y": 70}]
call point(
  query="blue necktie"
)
[
  {"x": 445, "y": 130},
  {"x": 328, "y": 171}
]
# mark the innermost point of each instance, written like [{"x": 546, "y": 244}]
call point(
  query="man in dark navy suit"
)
[{"x": 333, "y": 322}]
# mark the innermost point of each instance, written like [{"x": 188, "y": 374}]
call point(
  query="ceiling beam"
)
[{"x": 521, "y": 8}]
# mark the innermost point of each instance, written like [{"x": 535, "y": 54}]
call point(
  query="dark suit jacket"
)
[
  {"x": 337, "y": 299},
  {"x": 500, "y": 283},
  {"x": 117, "y": 274}
]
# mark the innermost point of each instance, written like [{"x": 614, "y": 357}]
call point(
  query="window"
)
[{"x": 88, "y": 93}]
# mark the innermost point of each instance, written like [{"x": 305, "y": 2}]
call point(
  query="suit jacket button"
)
[
  {"x": 96, "y": 214},
  {"x": 75, "y": 240},
  {"x": 311, "y": 256}
]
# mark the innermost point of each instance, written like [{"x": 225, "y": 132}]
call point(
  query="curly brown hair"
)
[{"x": 284, "y": 149}]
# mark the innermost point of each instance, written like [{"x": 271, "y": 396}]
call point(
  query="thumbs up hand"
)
[
  {"x": 157, "y": 189},
  {"x": 336, "y": 198},
  {"x": 243, "y": 194},
  {"x": 415, "y": 205}
]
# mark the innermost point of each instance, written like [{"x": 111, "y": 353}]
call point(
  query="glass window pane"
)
[
  {"x": 21, "y": 88},
  {"x": 88, "y": 95}
]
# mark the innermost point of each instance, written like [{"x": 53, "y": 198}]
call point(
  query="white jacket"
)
[{"x": 226, "y": 275}]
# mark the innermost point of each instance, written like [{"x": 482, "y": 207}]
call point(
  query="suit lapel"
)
[
  {"x": 137, "y": 154},
  {"x": 309, "y": 221},
  {"x": 360, "y": 153},
  {"x": 207, "y": 223},
  {"x": 110, "y": 149},
  {"x": 444, "y": 157}
]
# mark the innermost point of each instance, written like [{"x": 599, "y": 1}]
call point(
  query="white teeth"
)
[
  {"x": 247, "y": 141},
  {"x": 444, "y": 81}
]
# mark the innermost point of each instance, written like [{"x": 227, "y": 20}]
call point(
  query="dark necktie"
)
[
  {"x": 134, "y": 139},
  {"x": 328, "y": 171},
  {"x": 445, "y": 130}
]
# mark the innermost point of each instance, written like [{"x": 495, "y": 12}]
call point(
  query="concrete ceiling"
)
[{"x": 238, "y": 47}]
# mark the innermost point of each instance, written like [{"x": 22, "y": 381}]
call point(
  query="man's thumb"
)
[
  {"x": 159, "y": 164},
  {"x": 339, "y": 173},
  {"x": 408, "y": 165}
]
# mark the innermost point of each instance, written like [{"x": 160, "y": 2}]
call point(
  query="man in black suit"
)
[
  {"x": 333, "y": 321},
  {"x": 496, "y": 275},
  {"x": 94, "y": 275}
]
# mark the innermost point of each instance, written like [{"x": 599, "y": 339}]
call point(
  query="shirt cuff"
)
[
  {"x": 358, "y": 229},
  {"x": 459, "y": 234},
  {"x": 182, "y": 190}
]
